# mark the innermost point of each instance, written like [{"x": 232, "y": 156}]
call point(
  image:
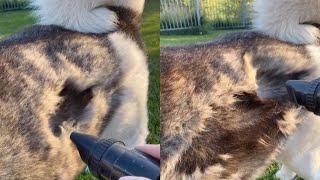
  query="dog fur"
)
[
  {"x": 62, "y": 76},
  {"x": 225, "y": 112},
  {"x": 295, "y": 21},
  {"x": 288, "y": 20},
  {"x": 83, "y": 15}
]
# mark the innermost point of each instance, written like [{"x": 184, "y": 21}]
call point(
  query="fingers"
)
[
  {"x": 151, "y": 149},
  {"x": 133, "y": 178}
]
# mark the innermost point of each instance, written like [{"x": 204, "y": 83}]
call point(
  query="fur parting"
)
[
  {"x": 87, "y": 16},
  {"x": 284, "y": 19}
]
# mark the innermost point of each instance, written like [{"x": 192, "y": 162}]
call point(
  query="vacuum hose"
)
[
  {"x": 305, "y": 93},
  {"x": 110, "y": 159}
]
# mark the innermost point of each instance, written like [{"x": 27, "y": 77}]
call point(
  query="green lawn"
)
[
  {"x": 15, "y": 20},
  {"x": 151, "y": 35},
  {"x": 173, "y": 40}
]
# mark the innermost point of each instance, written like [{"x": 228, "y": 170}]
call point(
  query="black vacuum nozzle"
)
[
  {"x": 110, "y": 159},
  {"x": 305, "y": 93},
  {"x": 84, "y": 144}
]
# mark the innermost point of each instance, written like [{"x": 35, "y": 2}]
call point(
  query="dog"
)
[
  {"x": 225, "y": 110},
  {"x": 295, "y": 21},
  {"x": 81, "y": 68},
  {"x": 288, "y": 20}
]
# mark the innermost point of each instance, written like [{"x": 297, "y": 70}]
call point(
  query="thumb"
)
[{"x": 133, "y": 178}]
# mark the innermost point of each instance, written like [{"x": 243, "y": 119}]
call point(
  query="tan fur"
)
[{"x": 55, "y": 81}]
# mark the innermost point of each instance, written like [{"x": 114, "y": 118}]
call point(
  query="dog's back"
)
[
  {"x": 295, "y": 21},
  {"x": 55, "y": 80},
  {"x": 224, "y": 107}
]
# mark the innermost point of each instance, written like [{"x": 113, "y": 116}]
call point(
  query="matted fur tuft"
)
[{"x": 287, "y": 19}]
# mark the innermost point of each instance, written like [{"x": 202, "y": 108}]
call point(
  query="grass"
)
[
  {"x": 86, "y": 176},
  {"x": 151, "y": 36},
  {"x": 13, "y": 21},
  {"x": 174, "y": 40},
  {"x": 269, "y": 174}
]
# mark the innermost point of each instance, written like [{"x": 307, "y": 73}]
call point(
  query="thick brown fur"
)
[
  {"x": 225, "y": 113},
  {"x": 54, "y": 81}
]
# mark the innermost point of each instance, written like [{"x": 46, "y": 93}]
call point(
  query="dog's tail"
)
[
  {"x": 288, "y": 20},
  {"x": 88, "y": 16}
]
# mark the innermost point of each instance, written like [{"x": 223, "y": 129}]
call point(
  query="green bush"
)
[
  {"x": 214, "y": 13},
  {"x": 226, "y": 12},
  {"x": 177, "y": 15}
]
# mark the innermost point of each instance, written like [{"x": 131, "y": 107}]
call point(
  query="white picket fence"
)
[
  {"x": 7, "y": 5},
  {"x": 179, "y": 14},
  {"x": 218, "y": 14}
]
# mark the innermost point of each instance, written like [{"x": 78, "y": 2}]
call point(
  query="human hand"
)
[{"x": 152, "y": 150}]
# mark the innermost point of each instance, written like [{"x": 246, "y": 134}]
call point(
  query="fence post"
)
[
  {"x": 198, "y": 13},
  {"x": 243, "y": 12}
]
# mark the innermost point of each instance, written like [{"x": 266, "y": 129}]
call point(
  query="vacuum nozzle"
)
[
  {"x": 110, "y": 159},
  {"x": 85, "y": 144},
  {"x": 305, "y": 93}
]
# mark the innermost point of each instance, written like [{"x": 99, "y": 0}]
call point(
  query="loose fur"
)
[
  {"x": 301, "y": 156},
  {"x": 288, "y": 20},
  {"x": 224, "y": 106},
  {"x": 88, "y": 16},
  {"x": 55, "y": 80},
  {"x": 295, "y": 21}
]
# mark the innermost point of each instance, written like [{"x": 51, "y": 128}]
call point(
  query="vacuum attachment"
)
[
  {"x": 110, "y": 159},
  {"x": 305, "y": 93}
]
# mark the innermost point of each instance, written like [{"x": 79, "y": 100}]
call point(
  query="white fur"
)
[
  {"x": 302, "y": 151},
  {"x": 301, "y": 154},
  {"x": 87, "y": 16},
  {"x": 130, "y": 121},
  {"x": 283, "y": 19},
  {"x": 285, "y": 173},
  {"x": 136, "y": 5}
]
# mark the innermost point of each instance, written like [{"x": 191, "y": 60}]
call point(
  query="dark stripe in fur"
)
[
  {"x": 114, "y": 104},
  {"x": 256, "y": 118},
  {"x": 114, "y": 101},
  {"x": 34, "y": 33},
  {"x": 71, "y": 107}
]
